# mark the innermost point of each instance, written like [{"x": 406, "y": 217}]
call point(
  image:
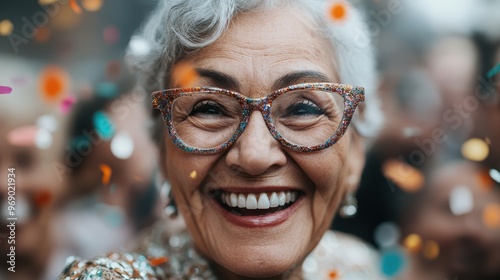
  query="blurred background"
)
[{"x": 76, "y": 130}]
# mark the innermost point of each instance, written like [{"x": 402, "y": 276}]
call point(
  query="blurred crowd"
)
[{"x": 85, "y": 162}]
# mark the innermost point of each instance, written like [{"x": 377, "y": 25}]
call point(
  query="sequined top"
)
[{"x": 337, "y": 256}]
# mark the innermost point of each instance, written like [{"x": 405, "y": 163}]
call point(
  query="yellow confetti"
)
[
  {"x": 6, "y": 27},
  {"x": 92, "y": 5},
  {"x": 413, "y": 243},
  {"x": 403, "y": 175},
  {"x": 431, "y": 250},
  {"x": 475, "y": 149},
  {"x": 193, "y": 174}
]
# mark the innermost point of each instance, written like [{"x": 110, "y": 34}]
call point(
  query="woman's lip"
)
[
  {"x": 255, "y": 189},
  {"x": 269, "y": 220}
]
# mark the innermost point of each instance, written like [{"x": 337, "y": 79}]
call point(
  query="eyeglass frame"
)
[{"x": 352, "y": 96}]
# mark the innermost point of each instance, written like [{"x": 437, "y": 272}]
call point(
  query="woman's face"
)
[{"x": 259, "y": 53}]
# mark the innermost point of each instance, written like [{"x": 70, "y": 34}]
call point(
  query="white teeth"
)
[
  {"x": 242, "y": 201},
  {"x": 263, "y": 201},
  {"x": 251, "y": 201},
  {"x": 282, "y": 198},
  {"x": 273, "y": 200},
  {"x": 234, "y": 200}
]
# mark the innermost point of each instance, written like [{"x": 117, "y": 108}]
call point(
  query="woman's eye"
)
[
  {"x": 304, "y": 108},
  {"x": 207, "y": 108}
]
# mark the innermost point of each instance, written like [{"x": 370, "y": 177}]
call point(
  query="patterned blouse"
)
[{"x": 172, "y": 256}]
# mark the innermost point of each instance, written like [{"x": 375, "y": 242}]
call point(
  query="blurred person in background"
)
[
  {"x": 450, "y": 225},
  {"x": 110, "y": 189},
  {"x": 31, "y": 137}
]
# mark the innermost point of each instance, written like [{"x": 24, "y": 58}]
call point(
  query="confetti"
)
[
  {"x": 387, "y": 234},
  {"x": 138, "y": 46},
  {"x": 403, "y": 175},
  {"x": 413, "y": 243},
  {"x": 66, "y": 104},
  {"x": 42, "y": 34},
  {"x": 43, "y": 139},
  {"x": 46, "y": 2},
  {"x": 333, "y": 274},
  {"x": 461, "y": 200},
  {"x": 484, "y": 181},
  {"x": 106, "y": 173},
  {"x": 53, "y": 82},
  {"x": 5, "y": 90},
  {"x": 338, "y": 11},
  {"x": 22, "y": 136},
  {"x": 113, "y": 69},
  {"x": 392, "y": 262},
  {"x": 107, "y": 90},
  {"x": 430, "y": 250},
  {"x": 491, "y": 216},
  {"x": 475, "y": 149},
  {"x": 47, "y": 122},
  {"x": 92, "y": 5},
  {"x": 6, "y": 27},
  {"x": 193, "y": 174},
  {"x": 158, "y": 261},
  {"x": 42, "y": 198},
  {"x": 184, "y": 75},
  {"x": 122, "y": 145},
  {"x": 111, "y": 35},
  {"x": 495, "y": 175},
  {"x": 74, "y": 6},
  {"x": 493, "y": 71},
  {"x": 103, "y": 125}
]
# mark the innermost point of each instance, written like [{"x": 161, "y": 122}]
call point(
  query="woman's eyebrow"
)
[
  {"x": 294, "y": 77},
  {"x": 220, "y": 79}
]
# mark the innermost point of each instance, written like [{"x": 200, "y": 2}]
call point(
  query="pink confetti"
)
[
  {"x": 5, "y": 90},
  {"x": 67, "y": 104},
  {"x": 22, "y": 136},
  {"x": 111, "y": 35}
]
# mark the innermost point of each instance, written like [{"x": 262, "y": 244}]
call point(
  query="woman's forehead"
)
[{"x": 268, "y": 44}]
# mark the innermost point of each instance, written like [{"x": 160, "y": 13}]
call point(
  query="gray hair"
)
[{"x": 178, "y": 28}]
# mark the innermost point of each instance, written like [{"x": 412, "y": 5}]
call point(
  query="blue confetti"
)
[
  {"x": 103, "y": 125},
  {"x": 392, "y": 262},
  {"x": 107, "y": 90},
  {"x": 493, "y": 71}
]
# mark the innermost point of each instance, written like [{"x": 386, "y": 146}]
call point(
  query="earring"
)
[
  {"x": 349, "y": 207},
  {"x": 171, "y": 208}
]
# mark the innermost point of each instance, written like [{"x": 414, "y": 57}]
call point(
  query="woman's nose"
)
[{"x": 256, "y": 151}]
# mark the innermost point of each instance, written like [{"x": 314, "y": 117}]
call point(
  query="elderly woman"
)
[{"x": 258, "y": 143}]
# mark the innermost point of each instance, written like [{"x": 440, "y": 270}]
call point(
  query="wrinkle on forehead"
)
[{"x": 259, "y": 47}]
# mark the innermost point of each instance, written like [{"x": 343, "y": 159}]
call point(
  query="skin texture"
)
[
  {"x": 468, "y": 249},
  {"x": 256, "y": 50}
]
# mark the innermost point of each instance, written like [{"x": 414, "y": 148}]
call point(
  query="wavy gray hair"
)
[{"x": 178, "y": 28}]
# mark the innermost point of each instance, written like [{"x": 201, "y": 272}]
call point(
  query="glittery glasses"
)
[{"x": 304, "y": 117}]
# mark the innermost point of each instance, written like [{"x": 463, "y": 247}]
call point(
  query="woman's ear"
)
[{"x": 356, "y": 161}]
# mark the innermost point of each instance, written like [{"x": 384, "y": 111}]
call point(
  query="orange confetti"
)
[
  {"x": 403, "y": 175},
  {"x": 74, "y": 6},
  {"x": 53, "y": 83},
  {"x": 158, "y": 261},
  {"x": 184, "y": 75},
  {"x": 92, "y": 5},
  {"x": 485, "y": 181},
  {"x": 431, "y": 250},
  {"x": 413, "y": 243},
  {"x": 42, "y": 198},
  {"x": 491, "y": 216},
  {"x": 106, "y": 173},
  {"x": 42, "y": 34},
  {"x": 333, "y": 274},
  {"x": 338, "y": 11}
]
